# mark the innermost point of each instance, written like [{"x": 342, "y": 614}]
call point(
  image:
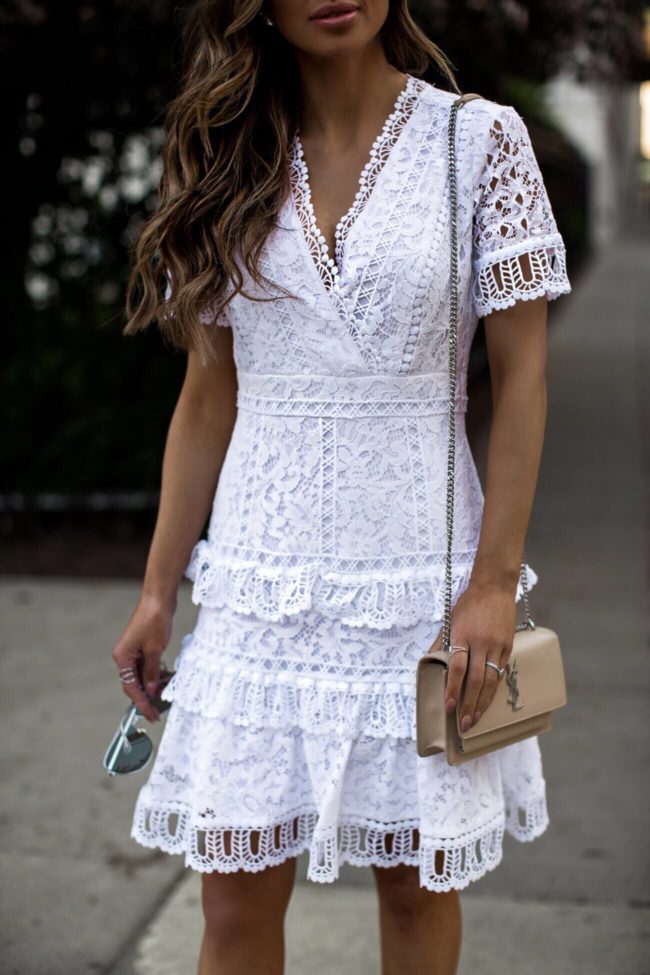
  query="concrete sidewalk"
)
[
  {"x": 80, "y": 896},
  {"x": 333, "y": 930}
]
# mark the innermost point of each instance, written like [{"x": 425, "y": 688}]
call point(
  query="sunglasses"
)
[{"x": 131, "y": 747}]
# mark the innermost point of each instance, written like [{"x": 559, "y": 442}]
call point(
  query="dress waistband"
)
[{"x": 346, "y": 396}]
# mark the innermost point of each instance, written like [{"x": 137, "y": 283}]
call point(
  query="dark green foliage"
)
[{"x": 87, "y": 407}]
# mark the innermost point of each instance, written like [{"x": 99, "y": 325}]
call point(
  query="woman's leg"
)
[
  {"x": 244, "y": 920},
  {"x": 420, "y": 929}
]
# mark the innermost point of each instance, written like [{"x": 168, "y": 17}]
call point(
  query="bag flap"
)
[{"x": 532, "y": 684}]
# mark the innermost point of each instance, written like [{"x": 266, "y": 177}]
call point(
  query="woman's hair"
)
[{"x": 224, "y": 164}]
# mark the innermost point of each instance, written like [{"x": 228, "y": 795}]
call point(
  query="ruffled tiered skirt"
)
[{"x": 298, "y": 734}]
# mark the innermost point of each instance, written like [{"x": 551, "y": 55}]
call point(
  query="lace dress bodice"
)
[{"x": 332, "y": 490}]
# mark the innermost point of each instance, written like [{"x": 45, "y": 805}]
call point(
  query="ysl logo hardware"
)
[{"x": 511, "y": 681}]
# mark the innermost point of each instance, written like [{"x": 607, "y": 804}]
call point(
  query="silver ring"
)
[
  {"x": 454, "y": 649},
  {"x": 499, "y": 670},
  {"x": 127, "y": 675}
]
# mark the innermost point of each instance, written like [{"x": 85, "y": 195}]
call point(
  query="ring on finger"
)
[
  {"x": 499, "y": 670},
  {"x": 127, "y": 675},
  {"x": 454, "y": 649}
]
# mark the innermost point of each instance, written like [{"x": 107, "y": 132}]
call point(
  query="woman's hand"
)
[
  {"x": 483, "y": 618},
  {"x": 141, "y": 647}
]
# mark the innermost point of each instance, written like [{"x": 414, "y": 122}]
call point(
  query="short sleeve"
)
[
  {"x": 206, "y": 317},
  {"x": 517, "y": 252}
]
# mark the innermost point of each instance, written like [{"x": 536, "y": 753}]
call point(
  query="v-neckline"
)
[{"x": 329, "y": 266}]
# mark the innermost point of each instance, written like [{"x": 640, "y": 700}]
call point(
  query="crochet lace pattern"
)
[
  {"x": 361, "y": 843},
  {"x": 328, "y": 266},
  {"x": 513, "y": 219},
  {"x": 269, "y": 751}
]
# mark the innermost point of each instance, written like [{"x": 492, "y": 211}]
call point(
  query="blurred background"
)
[
  {"x": 86, "y": 411},
  {"x": 85, "y": 86}
]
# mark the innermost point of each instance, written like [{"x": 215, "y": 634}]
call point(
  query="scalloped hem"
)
[
  {"x": 444, "y": 864},
  {"x": 526, "y": 821},
  {"x": 550, "y": 290},
  {"x": 548, "y": 264},
  {"x": 274, "y": 593}
]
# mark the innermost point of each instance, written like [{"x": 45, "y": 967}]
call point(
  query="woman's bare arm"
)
[
  {"x": 197, "y": 440},
  {"x": 484, "y": 616},
  {"x": 516, "y": 346}
]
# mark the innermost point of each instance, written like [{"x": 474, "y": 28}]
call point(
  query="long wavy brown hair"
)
[{"x": 225, "y": 173}]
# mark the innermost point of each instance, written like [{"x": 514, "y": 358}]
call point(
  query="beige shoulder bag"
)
[{"x": 531, "y": 685}]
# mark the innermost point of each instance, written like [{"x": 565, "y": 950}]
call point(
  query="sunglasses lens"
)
[
  {"x": 131, "y": 748},
  {"x": 121, "y": 759}
]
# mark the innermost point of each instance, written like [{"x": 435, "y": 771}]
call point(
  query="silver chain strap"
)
[{"x": 453, "y": 343}]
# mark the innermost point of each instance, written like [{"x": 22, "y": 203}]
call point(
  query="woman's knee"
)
[
  {"x": 401, "y": 892},
  {"x": 236, "y": 903}
]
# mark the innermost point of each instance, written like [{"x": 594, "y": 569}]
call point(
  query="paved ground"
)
[{"x": 80, "y": 896}]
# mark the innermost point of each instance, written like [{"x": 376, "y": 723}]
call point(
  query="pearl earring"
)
[{"x": 267, "y": 20}]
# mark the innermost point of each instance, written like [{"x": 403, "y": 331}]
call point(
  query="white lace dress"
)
[{"x": 320, "y": 583}]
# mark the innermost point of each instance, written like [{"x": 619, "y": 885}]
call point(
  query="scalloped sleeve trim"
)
[
  {"x": 501, "y": 279},
  {"x": 513, "y": 219}
]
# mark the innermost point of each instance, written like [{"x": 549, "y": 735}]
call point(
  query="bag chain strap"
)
[{"x": 453, "y": 332}]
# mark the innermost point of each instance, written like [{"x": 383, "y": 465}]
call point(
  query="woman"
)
[{"x": 303, "y": 234}]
